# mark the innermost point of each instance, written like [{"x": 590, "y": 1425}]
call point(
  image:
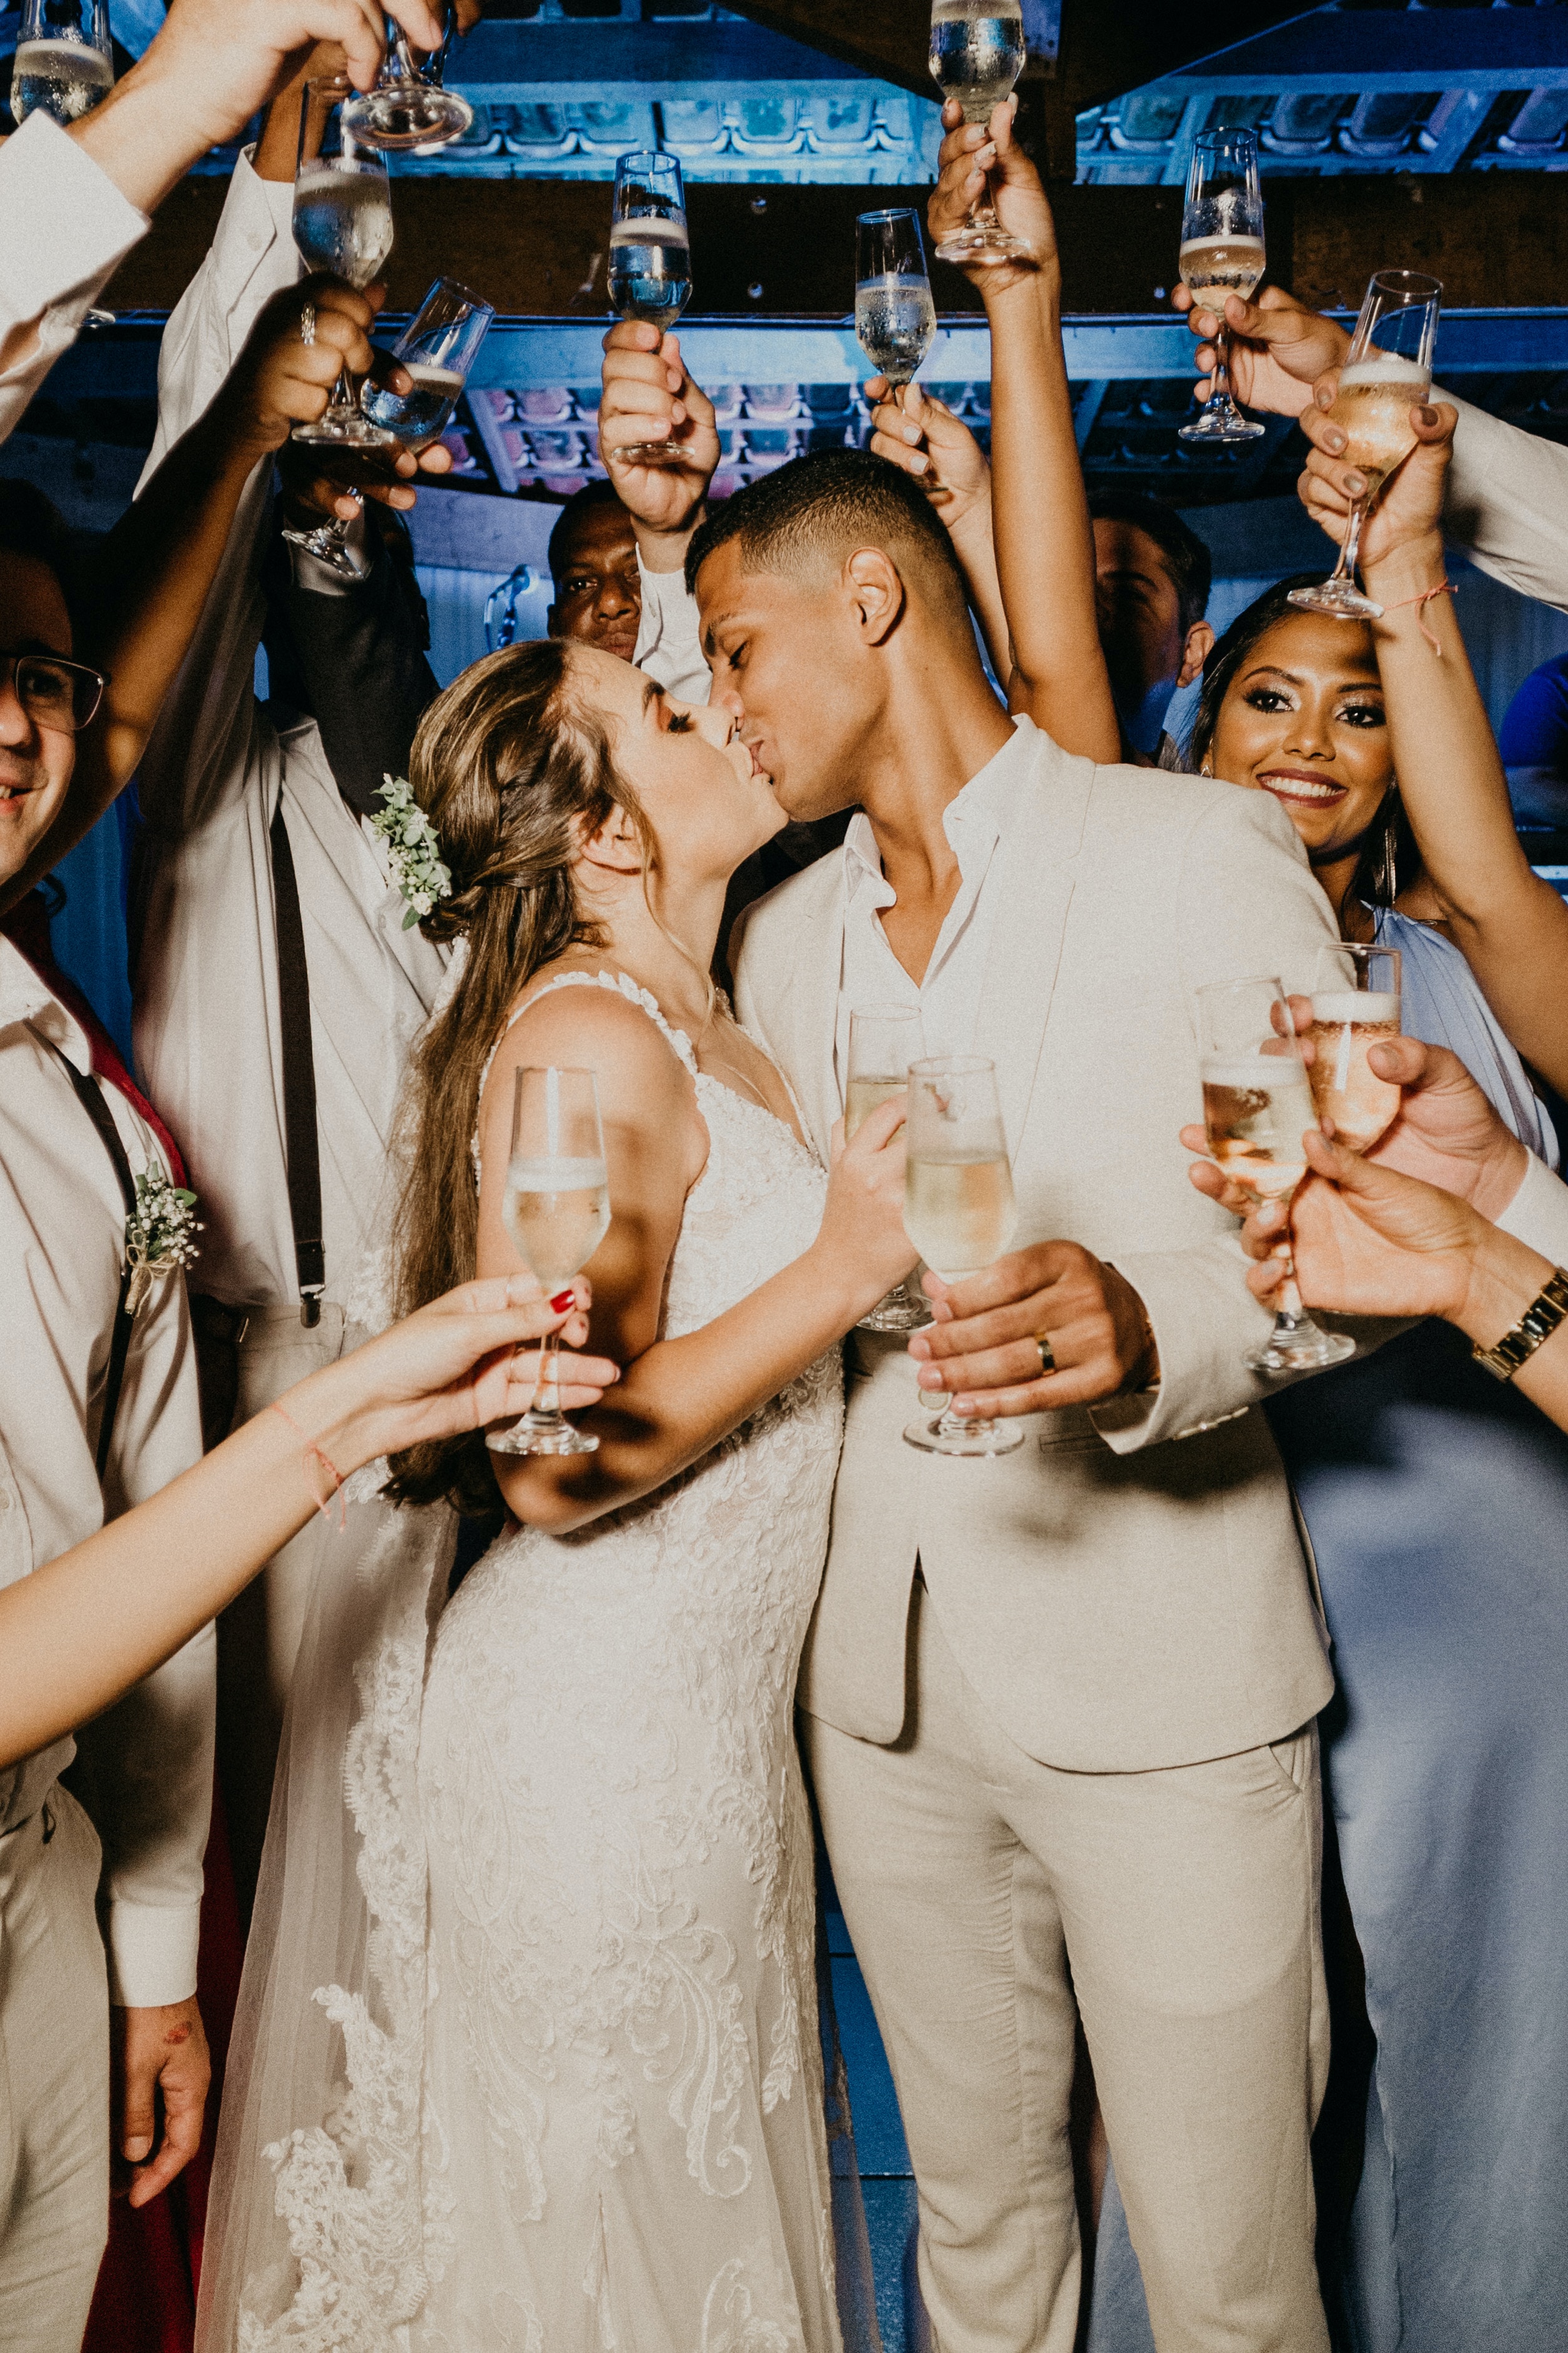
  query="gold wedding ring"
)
[
  {"x": 308, "y": 324},
  {"x": 1048, "y": 1362}
]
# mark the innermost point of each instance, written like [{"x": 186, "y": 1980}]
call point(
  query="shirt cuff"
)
[
  {"x": 152, "y": 1953},
  {"x": 1538, "y": 1213},
  {"x": 67, "y": 223}
]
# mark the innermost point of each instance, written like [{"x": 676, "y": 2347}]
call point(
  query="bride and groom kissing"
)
[{"x": 1056, "y": 1708}]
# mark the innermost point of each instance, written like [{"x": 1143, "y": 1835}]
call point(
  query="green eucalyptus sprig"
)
[{"x": 412, "y": 849}]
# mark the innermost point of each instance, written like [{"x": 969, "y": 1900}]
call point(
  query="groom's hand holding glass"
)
[
  {"x": 647, "y": 396},
  {"x": 1048, "y": 1326}
]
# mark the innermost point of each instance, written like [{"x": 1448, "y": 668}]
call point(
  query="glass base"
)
[
  {"x": 948, "y": 1433},
  {"x": 899, "y": 1311},
  {"x": 1341, "y": 598},
  {"x": 1223, "y": 422},
  {"x": 984, "y": 241},
  {"x": 1303, "y": 1350},
  {"x": 541, "y": 1434},
  {"x": 344, "y": 428},
  {"x": 650, "y": 453},
  {"x": 325, "y": 545},
  {"x": 401, "y": 115}
]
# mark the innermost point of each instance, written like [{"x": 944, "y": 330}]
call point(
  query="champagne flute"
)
[
  {"x": 1222, "y": 253},
  {"x": 343, "y": 223},
  {"x": 1355, "y": 1006},
  {"x": 65, "y": 59},
  {"x": 959, "y": 1209},
  {"x": 557, "y": 1211},
  {"x": 895, "y": 318},
  {"x": 976, "y": 55},
  {"x": 437, "y": 348},
  {"x": 1387, "y": 374},
  {"x": 408, "y": 107},
  {"x": 884, "y": 1041},
  {"x": 1257, "y": 1106},
  {"x": 650, "y": 260}
]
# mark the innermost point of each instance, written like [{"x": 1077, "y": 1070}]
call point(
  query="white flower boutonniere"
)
[
  {"x": 412, "y": 849},
  {"x": 159, "y": 1233}
]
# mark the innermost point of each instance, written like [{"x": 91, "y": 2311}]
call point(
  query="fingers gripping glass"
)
[
  {"x": 1388, "y": 372},
  {"x": 1355, "y": 1006},
  {"x": 976, "y": 55},
  {"x": 895, "y": 318},
  {"x": 557, "y": 1211},
  {"x": 1258, "y": 1106},
  {"x": 883, "y": 1042},
  {"x": 343, "y": 224},
  {"x": 650, "y": 261},
  {"x": 959, "y": 1209},
  {"x": 1221, "y": 254},
  {"x": 437, "y": 348},
  {"x": 54, "y": 692},
  {"x": 408, "y": 108}
]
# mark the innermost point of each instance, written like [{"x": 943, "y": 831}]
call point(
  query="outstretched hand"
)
[
  {"x": 1409, "y": 505},
  {"x": 1276, "y": 352},
  {"x": 920, "y": 433},
  {"x": 648, "y": 395},
  {"x": 1366, "y": 1240},
  {"x": 972, "y": 156}
]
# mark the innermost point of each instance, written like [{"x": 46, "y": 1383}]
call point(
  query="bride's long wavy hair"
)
[{"x": 510, "y": 769}]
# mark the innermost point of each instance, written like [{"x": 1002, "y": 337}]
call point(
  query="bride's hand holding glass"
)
[{"x": 861, "y": 1241}]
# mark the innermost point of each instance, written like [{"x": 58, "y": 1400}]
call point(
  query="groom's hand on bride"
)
[{"x": 995, "y": 1332}]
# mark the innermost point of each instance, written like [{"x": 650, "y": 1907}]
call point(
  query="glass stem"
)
[
  {"x": 546, "y": 1401},
  {"x": 1221, "y": 393},
  {"x": 1350, "y": 549}
]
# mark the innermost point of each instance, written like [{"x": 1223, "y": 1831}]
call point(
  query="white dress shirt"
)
[
  {"x": 149, "y": 1760},
  {"x": 208, "y": 1028},
  {"x": 947, "y": 995},
  {"x": 67, "y": 230},
  {"x": 669, "y": 636}
]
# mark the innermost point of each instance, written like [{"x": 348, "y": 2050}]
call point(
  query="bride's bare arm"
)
[{"x": 677, "y": 1398}]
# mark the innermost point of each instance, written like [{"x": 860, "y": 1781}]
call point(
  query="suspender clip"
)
[{"x": 311, "y": 1305}]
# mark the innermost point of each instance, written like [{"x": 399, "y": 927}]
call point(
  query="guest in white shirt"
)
[{"x": 97, "y": 1410}]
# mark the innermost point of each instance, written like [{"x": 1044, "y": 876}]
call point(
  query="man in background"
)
[
  {"x": 594, "y": 568},
  {"x": 1152, "y": 577}
]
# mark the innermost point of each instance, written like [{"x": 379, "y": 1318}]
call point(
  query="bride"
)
[{"x": 582, "y": 2105}]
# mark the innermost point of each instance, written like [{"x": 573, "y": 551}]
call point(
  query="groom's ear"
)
[{"x": 877, "y": 593}]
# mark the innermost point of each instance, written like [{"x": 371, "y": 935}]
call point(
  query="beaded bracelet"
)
[{"x": 322, "y": 1502}]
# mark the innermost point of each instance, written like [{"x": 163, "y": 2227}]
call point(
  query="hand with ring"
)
[{"x": 1048, "y": 1326}]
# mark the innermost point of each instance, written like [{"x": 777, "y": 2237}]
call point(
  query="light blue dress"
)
[{"x": 1438, "y": 1503}]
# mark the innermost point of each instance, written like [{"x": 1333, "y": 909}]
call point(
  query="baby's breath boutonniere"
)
[
  {"x": 159, "y": 1233},
  {"x": 412, "y": 849}
]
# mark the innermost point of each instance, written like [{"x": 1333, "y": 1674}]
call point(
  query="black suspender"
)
[
  {"x": 299, "y": 1080},
  {"x": 90, "y": 1096}
]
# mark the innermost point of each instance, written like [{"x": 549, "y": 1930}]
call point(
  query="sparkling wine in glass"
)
[
  {"x": 1387, "y": 374},
  {"x": 557, "y": 1211},
  {"x": 976, "y": 55},
  {"x": 895, "y": 317},
  {"x": 1355, "y": 1006},
  {"x": 65, "y": 60},
  {"x": 1257, "y": 1106},
  {"x": 650, "y": 260},
  {"x": 408, "y": 108},
  {"x": 343, "y": 224},
  {"x": 884, "y": 1041},
  {"x": 959, "y": 1209},
  {"x": 1222, "y": 253}
]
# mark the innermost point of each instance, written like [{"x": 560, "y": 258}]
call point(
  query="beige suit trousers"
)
[
  {"x": 54, "y": 2079},
  {"x": 986, "y": 1893}
]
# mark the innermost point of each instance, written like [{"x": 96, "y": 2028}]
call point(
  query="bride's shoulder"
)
[{"x": 577, "y": 1017}]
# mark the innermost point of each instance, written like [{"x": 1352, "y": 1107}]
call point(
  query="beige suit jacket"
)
[{"x": 1119, "y": 1602}]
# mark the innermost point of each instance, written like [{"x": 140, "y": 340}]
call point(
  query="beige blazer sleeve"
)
[{"x": 1508, "y": 503}]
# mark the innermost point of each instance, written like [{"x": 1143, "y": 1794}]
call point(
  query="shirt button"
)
[{"x": 4, "y": 1499}]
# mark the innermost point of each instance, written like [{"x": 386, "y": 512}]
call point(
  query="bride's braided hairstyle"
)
[{"x": 510, "y": 769}]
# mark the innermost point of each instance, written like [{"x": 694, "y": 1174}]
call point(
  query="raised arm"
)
[
  {"x": 922, "y": 436},
  {"x": 677, "y": 1398},
  {"x": 1045, "y": 546},
  {"x": 649, "y": 394}
]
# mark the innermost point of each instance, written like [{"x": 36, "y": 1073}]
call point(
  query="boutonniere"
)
[
  {"x": 159, "y": 1233},
  {"x": 412, "y": 849}
]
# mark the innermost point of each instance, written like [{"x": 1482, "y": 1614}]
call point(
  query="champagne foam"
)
[
  {"x": 1357, "y": 1005},
  {"x": 1388, "y": 369},
  {"x": 1276, "y": 1073}
]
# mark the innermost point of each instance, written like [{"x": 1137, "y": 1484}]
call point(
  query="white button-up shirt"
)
[
  {"x": 67, "y": 230},
  {"x": 207, "y": 1029},
  {"x": 149, "y": 1760},
  {"x": 947, "y": 996},
  {"x": 669, "y": 636}
]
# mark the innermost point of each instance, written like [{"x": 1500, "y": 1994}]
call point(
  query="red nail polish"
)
[{"x": 562, "y": 1301}]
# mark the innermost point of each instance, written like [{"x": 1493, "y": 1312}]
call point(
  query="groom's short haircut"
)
[{"x": 820, "y": 508}]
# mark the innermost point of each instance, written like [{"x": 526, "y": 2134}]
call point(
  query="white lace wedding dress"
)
[{"x": 583, "y": 2105}]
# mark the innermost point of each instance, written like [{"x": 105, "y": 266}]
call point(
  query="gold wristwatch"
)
[{"x": 1539, "y": 1321}]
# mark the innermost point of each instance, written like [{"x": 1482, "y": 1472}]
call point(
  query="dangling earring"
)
[{"x": 1385, "y": 874}]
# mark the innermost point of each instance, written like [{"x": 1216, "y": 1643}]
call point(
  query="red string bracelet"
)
[
  {"x": 323, "y": 1504},
  {"x": 1444, "y": 588}
]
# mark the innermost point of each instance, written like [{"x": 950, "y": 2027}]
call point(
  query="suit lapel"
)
[{"x": 1034, "y": 885}]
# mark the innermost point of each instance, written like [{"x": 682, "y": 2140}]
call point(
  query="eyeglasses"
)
[{"x": 53, "y": 692}]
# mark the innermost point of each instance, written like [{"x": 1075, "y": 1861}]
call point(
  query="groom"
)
[{"x": 1058, "y": 1708}]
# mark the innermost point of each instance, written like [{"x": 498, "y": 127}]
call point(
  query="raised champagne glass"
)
[
  {"x": 895, "y": 318},
  {"x": 437, "y": 348},
  {"x": 650, "y": 260},
  {"x": 884, "y": 1040},
  {"x": 959, "y": 1209},
  {"x": 557, "y": 1211},
  {"x": 1222, "y": 253},
  {"x": 1257, "y": 1106},
  {"x": 64, "y": 64},
  {"x": 976, "y": 55},
  {"x": 343, "y": 224},
  {"x": 1387, "y": 374},
  {"x": 408, "y": 108},
  {"x": 1355, "y": 1006}
]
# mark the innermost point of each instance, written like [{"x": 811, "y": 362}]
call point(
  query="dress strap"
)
[{"x": 623, "y": 985}]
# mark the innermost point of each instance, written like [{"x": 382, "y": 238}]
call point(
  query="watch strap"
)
[{"x": 1539, "y": 1321}]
